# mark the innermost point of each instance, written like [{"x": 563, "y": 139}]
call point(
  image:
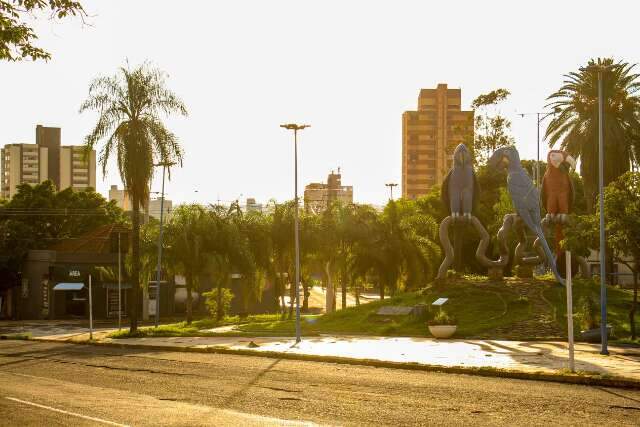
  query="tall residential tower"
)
[
  {"x": 65, "y": 166},
  {"x": 429, "y": 136}
]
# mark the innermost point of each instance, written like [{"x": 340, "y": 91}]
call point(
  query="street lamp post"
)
[
  {"x": 391, "y": 185},
  {"x": 164, "y": 166},
  {"x": 295, "y": 128},
  {"x": 540, "y": 116},
  {"x": 601, "y": 69}
]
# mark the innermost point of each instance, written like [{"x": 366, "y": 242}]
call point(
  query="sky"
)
[{"x": 347, "y": 68}]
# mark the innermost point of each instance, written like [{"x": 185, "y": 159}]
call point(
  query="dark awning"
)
[{"x": 68, "y": 287}]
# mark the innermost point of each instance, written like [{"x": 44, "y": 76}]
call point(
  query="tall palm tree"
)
[
  {"x": 576, "y": 125},
  {"x": 131, "y": 105}
]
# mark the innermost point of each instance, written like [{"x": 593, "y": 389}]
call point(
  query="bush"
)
[
  {"x": 442, "y": 318},
  {"x": 587, "y": 313},
  {"x": 211, "y": 300}
]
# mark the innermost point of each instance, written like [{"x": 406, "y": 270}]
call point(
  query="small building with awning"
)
[{"x": 54, "y": 283}]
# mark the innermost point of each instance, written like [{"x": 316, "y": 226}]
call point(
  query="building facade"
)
[
  {"x": 154, "y": 208},
  {"x": 429, "y": 136},
  {"x": 317, "y": 196},
  {"x": 47, "y": 159},
  {"x": 121, "y": 197}
]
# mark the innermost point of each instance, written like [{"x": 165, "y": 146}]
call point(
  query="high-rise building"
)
[
  {"x": 65, "y": 166},
  {"x": 429, "y": 136},
  {"x": 317, "y": 195},
  {"x": 121, "y": 197},
  {"x": 154, "y": 208}
]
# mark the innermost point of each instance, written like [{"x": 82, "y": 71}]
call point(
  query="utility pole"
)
[
  {"x": 295, "y": 128},
  {"x": 164, "y": 165},
  {"x": 391, "y": 185}
]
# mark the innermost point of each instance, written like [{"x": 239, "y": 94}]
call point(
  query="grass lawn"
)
[
  {"x": 516, "y": 309},
  {"x": 525, "y": 309}
]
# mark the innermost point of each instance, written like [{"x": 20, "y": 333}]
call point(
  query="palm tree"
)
[
  {"x": 188, "y": 233},
  {"x": 400, "y": 248},
  {"x": 131, "y": 105},
  {"x": 576, "y": 125}
]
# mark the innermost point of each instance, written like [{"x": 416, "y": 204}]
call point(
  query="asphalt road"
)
[{"x": 64, "y": 384}]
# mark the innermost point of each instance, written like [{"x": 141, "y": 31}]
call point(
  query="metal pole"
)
[
  {"x": 164, "y": 168},
  {"x": 603, "y": 274},
  {"x": 538, "y": 156},
  {"x": 296, "y": 236},
  {"x": 90, "y": 311},
  {"x": 570, "y": 312},
  {"x": 119, "y": 284}
]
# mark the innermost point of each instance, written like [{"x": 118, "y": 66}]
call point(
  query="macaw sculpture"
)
[
  {"x": 557, "y": 195},
  {"x": 460, "y": 193},
  {"x": 557, "y": 187},
  {"x": 460, "y": 188},
  {"x": 524, "y": 196}
]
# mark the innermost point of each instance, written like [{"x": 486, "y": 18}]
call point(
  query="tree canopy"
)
[{"x": 17, "y": 37}]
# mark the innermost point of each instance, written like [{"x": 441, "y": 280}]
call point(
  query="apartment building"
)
[
  {"x": 429, "y": 136},
  {"x": 317, "y": 195},
  {"x": 152, "y": 208},
  {"x": 123, "y": 201},
  {"x": 47, "y": 159}
]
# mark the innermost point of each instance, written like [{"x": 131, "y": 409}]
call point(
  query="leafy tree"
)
[
  {"x": 131, "y": 105},
  {"x": 38, "y": 217},
  {"x": 17, "y": 37},
  {"x": 576, "y": 127},
  {"x": 491, "y": 128},
  {"x": 622, "y": 227}
]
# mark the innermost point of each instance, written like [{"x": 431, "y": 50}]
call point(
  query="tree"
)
[
  {"x": 186, "y": 247},
  {"x": 400, "y": 248},
  {"x": 131, "y": 105},
  {"x": 39, "y": 216},
  {"x": 576, "y": 126},
  {"x": 17, "y": 37},
  {"x": 491, "y": 128},
  {"x": 282, "y": 240},
  {"x": 622, "y": 227}
]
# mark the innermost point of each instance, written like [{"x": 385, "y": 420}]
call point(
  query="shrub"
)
[
  {"x": 442, "y": 318},
  {"x": 587, "y": 313},
  {"x": 211, "y": 300}
]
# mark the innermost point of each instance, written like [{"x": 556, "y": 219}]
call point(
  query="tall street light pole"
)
[
  {"x": 601, "y": 69},
  {"x": 295, "y": 128},
  {"x": 391, "y": 185},
  {"x": 541, "y": 116},
  {"x": 164, "y": 166}
]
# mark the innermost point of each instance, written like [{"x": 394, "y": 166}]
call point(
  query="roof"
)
[{"x": 96, "y": 241}]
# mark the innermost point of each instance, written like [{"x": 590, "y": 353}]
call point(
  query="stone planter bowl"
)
[{"x": 442, "y": 331}]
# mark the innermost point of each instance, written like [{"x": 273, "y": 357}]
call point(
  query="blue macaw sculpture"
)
[
  {"x": 460, "y": 188},
  {"x": 524, "y": 195}
]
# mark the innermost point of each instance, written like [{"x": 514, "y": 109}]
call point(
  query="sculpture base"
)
[
  {"x": 495, "y": 273},
  {"x": 524, "y": 271}
]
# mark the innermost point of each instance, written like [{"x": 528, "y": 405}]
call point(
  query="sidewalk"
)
[{"x": 532, "y": 357}]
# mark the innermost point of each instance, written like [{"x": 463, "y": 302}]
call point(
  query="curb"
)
[{"x": 576, "y": 379}]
